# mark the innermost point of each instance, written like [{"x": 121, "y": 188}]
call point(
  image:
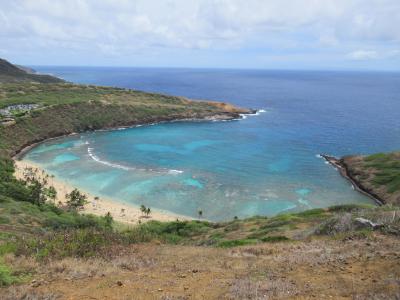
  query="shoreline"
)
[
  {"x": 18, "y": 155},
  {"x": 342, "y": 168},
  {"x": 121, "y": 212},
  {"x": 129, "y": 214}
]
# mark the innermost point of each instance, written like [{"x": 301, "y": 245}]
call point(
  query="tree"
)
[
  {"x": 36, "y": 190},
  {"x": 39, "y": 193},
  {"x": 108, "y": 220},
  {"x": 76, "y": 200},
  {"x": 51, "y": 193},
  {"x": 148, "y": 211},
  {"x": 143, "y": 209}
]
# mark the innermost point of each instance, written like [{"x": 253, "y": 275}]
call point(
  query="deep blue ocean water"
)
[{"x": 264, "y": 164}]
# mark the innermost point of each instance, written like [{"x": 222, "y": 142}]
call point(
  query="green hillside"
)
[{"x": 11, "y": 73}]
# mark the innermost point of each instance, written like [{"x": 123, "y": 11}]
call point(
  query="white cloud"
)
[
  {"x": 363, "y": 55},
  {"x": 121, "y": 27},
  {"x": 373, "y": 55}
]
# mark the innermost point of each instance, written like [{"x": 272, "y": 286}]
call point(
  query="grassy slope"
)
[
  {"x": 12, "y": 73},
  {"x": 378, "y": 174},
  {"x": 318, "y": 252}
]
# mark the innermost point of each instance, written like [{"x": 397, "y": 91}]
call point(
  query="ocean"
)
[{"x": 261, "y": 165}]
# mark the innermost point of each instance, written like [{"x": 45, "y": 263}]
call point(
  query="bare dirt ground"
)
[{"x": 367, "y": 268}]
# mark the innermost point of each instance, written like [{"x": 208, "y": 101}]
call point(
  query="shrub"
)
[
  {"x": 85, "y": 242},
  {"x": 275, "y": 239},
  {"x": 6, "y": 277},
  {"x": 348, "y": 207},
  {"x": 76, "y": 200},
  {"x": 316, "y": 212},
  {"x": 235, "y": 243}
]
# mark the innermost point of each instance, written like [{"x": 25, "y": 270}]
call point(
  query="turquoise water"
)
[{"x": 264, "y": 164}]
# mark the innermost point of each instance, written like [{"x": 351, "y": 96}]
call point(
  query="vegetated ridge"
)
[
  {"x": 13, "y": 73},
  {"x": 377, "y": 175}
]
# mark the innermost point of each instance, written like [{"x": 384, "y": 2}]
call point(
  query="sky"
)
[{"x": 266, "y": 34}]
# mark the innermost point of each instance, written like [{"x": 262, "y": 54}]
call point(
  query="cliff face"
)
[{"x": 11, "y": 73}]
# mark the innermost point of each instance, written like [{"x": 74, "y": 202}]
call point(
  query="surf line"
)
[{"x": 126, "y": 168}]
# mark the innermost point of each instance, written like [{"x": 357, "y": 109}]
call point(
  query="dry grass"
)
[{"x": 365, "y": 268}]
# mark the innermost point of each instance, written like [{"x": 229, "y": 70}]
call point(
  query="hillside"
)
[
  {"x": 65, "y": 108},
  {"x": 324, "y": 253},
  {"x": 377, "y": 175},
  {"x": 11, "y": 73}
]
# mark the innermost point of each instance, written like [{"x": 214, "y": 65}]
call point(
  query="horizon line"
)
[{"x": 223, "y": 68}]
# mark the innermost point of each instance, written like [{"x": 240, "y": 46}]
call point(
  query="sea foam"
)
[
  {"x": 109, "y": 164},
  {"x": 258, "y": 112},
  {"x": 126, "y": 168}
]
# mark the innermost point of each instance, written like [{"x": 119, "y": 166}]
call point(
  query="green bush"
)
[
  {"x": 274, "y": 239},
  {"x": 180, "y": 228},
  {"x": 348, "y": 207},
  {"x": 235, "y": 243},
  {"x": 316, "y": 212},
  {"x": 6, "y": 277}
]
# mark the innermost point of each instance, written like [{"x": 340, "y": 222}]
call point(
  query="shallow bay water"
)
[{"x": 263, "y": 164}]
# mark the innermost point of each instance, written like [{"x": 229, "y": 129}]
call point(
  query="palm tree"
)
[
  {"x": 148, "y": 211},
  {"x": 143, "y": 209}
]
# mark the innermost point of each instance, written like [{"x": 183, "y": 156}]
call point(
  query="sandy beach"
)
[{"x": 125, "y": 213}]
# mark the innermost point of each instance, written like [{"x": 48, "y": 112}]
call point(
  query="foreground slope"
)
[{"x": 322, "y": 254}]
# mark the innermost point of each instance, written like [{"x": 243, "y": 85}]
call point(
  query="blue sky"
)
[{"x": 281, "y": 34}]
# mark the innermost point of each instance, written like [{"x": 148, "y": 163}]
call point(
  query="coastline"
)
[
  {"x": 342, "y": 168},
  {"x": 214, "y": 118},
  {"x": 121, "y": 212}
]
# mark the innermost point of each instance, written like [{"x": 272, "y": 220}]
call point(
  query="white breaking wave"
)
[
  {"x": 95, "y": 158},
  {"x": 258, "y": 112},
  {"x": 126, "y": 168},
  {"x": 175, "y": 172}
]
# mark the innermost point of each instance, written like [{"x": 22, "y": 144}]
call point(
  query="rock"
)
[
  {"x": 367, "y": 223},
  {"x": 35, "y": 283}
]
